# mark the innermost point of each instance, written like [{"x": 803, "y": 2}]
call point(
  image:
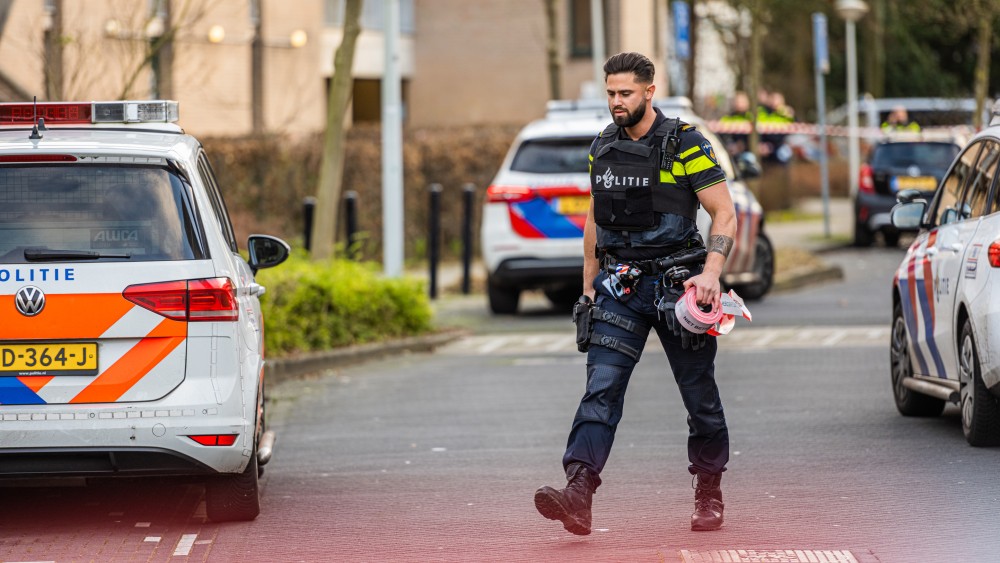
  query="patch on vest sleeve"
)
[{"x": 706, "y": 148}]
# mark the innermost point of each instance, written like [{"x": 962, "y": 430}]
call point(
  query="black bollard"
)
[
  {"x": 468, "y": 197},
  {"x": 351, "y": 223},
  {"x": 434, "y": 236},
  {"x": 308, "y": 212}
]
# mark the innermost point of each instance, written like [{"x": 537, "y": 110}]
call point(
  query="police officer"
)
[
  {"x": 899, "y": 121},
  {"x": 648, "y": 175}
]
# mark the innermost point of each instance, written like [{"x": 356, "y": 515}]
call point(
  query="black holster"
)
[{"x": 584, "y": 322}]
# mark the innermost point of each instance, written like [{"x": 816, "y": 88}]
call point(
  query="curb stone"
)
[
  {"x": 296, "y": 367},
  {"x": 801, "y": 277}
]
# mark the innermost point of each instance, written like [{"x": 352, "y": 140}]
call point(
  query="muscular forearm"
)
[
  {"x": 720, "y": 242},
  {"x": 590, "y": 265}
]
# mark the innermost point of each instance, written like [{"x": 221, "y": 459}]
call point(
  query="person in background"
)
[{"x": 899, "y": 121}]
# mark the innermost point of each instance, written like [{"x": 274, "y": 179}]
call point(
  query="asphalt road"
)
[{"x": 435, "y": 457}]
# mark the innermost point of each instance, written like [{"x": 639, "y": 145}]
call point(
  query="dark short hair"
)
[{"x": 636, "y": 63}]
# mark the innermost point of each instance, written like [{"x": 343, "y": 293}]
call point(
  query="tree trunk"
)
[
  {"x": 984, "y": 40},
  {"x": 692, "y": 68},
  {"x": 756, "y": 64},
  {"x": 54, "y": 54},
  {"x": 552, "y": 50},
  {"x": 331, "y": 174}
]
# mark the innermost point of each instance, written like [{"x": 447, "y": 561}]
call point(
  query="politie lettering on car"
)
[
  {"x": 131, "y": 337},
  {"x": 41, "y": 274}
]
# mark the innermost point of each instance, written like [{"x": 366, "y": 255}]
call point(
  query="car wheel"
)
[
  {"x": 234, "y": 498},
  {"x": 891, "y": 239},
  {"x": 908, "y": 402},
  {"x": 980, "y": 411},
  {"x": 763, "y": 266},
  {"x": 863, "y": 237},
  {"x": 503, "y": 300}
]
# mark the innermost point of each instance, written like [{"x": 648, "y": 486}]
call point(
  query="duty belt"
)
[{"x": 654, "y": 266}]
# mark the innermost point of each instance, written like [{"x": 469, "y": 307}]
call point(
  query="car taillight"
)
[
  {"x": 994, "y": 254},
  {"x": 866, "y": 179},
  {"x": 187, "y": 300},
  {"x": 215, "y": 439},
  {"x": 212, "y": 300},
  {"x": 508, "y": 194}
]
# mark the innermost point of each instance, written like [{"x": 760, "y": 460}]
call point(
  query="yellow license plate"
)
[
  {"x": 574, "y": 205},
  {"x": 48, "y": 358},
  {"x": 916, "y": 183}
]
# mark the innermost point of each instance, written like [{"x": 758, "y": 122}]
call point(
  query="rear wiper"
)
[{"x": 47, "y": 255}]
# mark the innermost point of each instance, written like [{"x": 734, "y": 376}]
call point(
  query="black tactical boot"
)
[
  {"x": 572, "y": 504},
  {"x": 708, "y": 504}
]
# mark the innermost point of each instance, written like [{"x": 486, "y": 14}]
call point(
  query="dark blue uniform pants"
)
[{"x": 608, "y": 373}]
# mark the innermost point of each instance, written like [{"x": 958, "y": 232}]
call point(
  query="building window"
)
[
  {"x": 580, "y": 39},
  {"x": 371, "y": 15}
]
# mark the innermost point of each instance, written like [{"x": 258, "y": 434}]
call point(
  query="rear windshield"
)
[
  {"x": 553, "y": 156},
  {"x": 931, "y": 156},
  {"x": 95, "y": 213}
]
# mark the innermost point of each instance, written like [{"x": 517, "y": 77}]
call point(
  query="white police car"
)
[
  {"x": 946, "y": 295},
  {"x": 131, "y": 337},
  {"x": 537, "y": 205}
]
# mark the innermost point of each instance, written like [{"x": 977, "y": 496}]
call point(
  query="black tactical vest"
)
[{"x": 629, "y": 199}]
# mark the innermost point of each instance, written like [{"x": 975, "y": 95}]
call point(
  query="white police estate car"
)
[
  {"x": 537, "y": 205},
  {"x": 131, "y": 337},
  {"x": 945, "y": 343}
]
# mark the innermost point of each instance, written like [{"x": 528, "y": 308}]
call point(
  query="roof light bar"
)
[{"x": 78, "y": 113}]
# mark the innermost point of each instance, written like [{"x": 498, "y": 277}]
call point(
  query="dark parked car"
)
[{"x": 913, "y": 162}]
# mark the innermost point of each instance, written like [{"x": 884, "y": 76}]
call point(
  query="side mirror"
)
[
  {"x": 266, "y": 251},
  {"x": 747, "y": 165},
  {"x": 908, "y": 216},
  {"x": 906, "y": 196},
  {"x": 950, "y": 215}
]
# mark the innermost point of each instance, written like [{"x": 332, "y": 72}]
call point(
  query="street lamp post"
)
[{"x": 852, "y": 11}]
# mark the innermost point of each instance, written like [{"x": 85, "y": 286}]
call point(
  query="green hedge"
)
[{"x": 312, "y": 306}]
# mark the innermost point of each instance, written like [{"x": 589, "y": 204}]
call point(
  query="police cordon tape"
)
[
  {"x": 716, "y": 321},
  {"x": 726, "y": 127}
]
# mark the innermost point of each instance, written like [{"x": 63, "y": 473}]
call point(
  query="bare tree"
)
[
  {"x": 331, "y": 174},
  {"x": 158, "y": 50},
  {"x": 982, "y": 13},
  {"x": 552, "y": 50}
]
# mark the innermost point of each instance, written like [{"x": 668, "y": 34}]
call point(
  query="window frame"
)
[
  {"x": 219, "y": 209},
  {"x": 937, "y": 214}
]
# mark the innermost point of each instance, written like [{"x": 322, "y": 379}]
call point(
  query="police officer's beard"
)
[{"x": 629, "y": 119}]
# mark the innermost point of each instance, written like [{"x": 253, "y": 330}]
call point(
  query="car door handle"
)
[
  {"x": 932, "y": 251},
  {"x": 955, "y": 247},
  {"x": 257, "y": 290}
]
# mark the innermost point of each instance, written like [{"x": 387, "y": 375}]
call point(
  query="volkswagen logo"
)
[{"x": 29, "y": 300}]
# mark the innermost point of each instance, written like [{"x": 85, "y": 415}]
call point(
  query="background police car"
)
[
  {"x": 131, "y": 340},
  {"x": 946, "y": 299},
  {"x": 536, "y": 207}
]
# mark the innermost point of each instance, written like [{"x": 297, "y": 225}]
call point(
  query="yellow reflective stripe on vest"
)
[
  {"x": 671, "y": 178},
  {"x": 698, "y": 164},
  {"x": 688, "y": 152}
]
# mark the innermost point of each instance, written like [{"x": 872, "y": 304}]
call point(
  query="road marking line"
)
[
  {"x": 557, "y": 345},
  {"x": 184, "y": 544},
  {"x": 755, "y": 555},
  {"x": 152, "y": 539},
  {"x": 492, "y": 345},
  {"x": 834, "y": 338},
  {"x": 765, "y": 340}
]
